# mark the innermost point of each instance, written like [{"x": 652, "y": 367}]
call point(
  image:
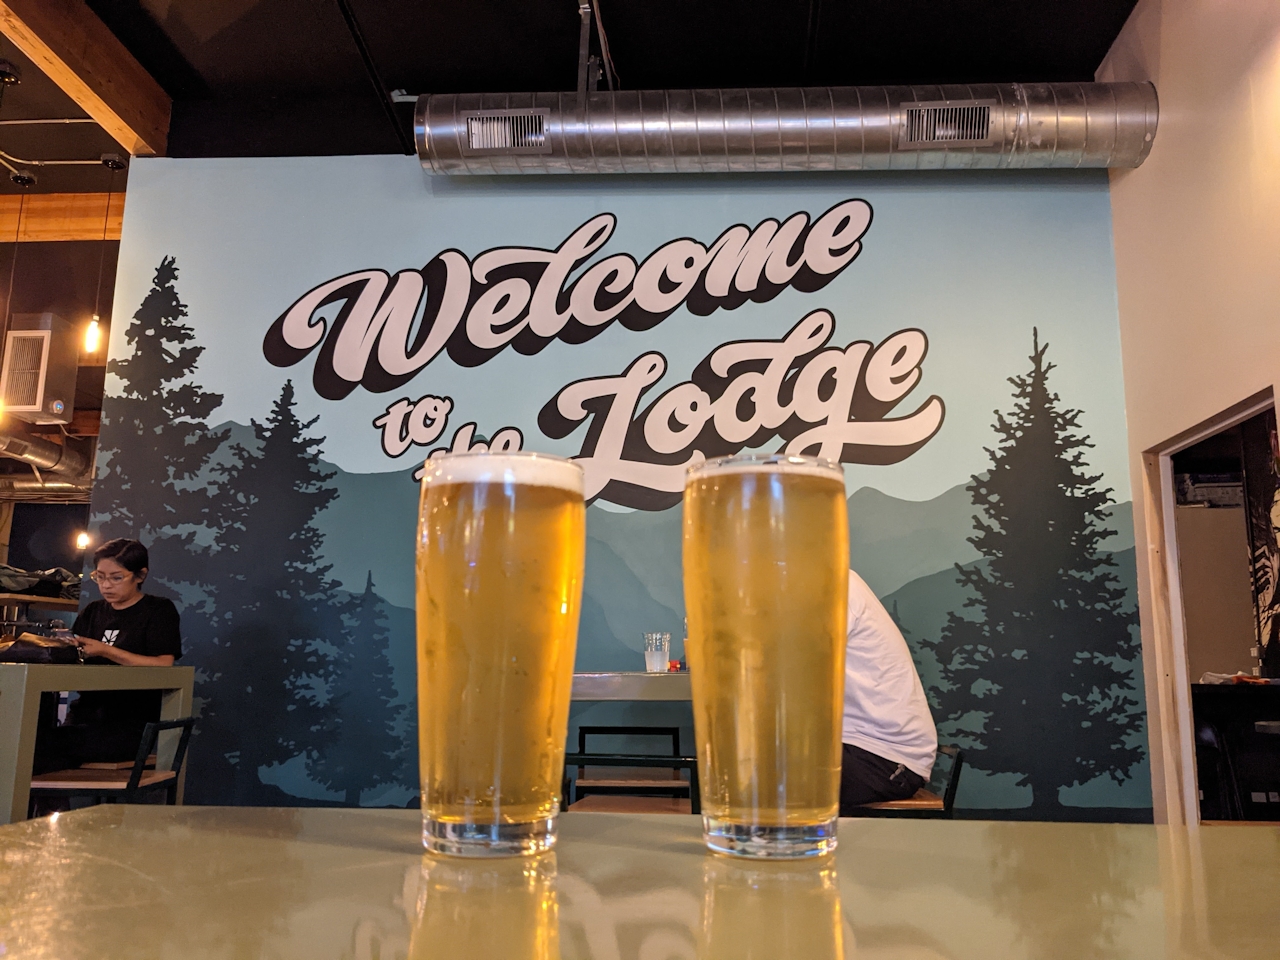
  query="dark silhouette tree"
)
[
  {"x": 362, "y": 753},
  {"x": 155, "y": 438},
  {"x": 406, "y": 756},
  {"x": 276, "y": 621},
  {"x": 1039, "y": 680}
]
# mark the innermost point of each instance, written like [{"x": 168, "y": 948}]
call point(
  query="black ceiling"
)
[
  {"x": 38, "y": 98},
  {"x": 264, "y": 77}
]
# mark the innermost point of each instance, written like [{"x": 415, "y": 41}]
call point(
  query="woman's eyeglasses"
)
[{"x": 114, "y": 578}]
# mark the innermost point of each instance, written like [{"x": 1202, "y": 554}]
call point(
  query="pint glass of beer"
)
[
  {"x": 766, "y": 556},
  {"x": 501, "y": 539}
]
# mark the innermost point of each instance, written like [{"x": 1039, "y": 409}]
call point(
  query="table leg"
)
[
  {"x": 19, "y": 710},
  {"x": 174, "y": 705}
]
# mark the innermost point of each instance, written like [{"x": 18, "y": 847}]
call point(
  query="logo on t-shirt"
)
[{"x": 109, "y": 637}]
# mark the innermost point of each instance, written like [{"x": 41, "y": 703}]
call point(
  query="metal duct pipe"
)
[
  {"x": 31, "y": 489},
  {"x": 43, "y": 454},
  {"x": 961, "y": 127}
]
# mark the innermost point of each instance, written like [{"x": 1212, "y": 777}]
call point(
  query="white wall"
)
[{"x": 1197, "y": 239}]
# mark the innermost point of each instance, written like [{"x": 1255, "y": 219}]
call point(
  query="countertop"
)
[
  {"x": 632, "y": 686},
  {"x": 205, "y": 882}
]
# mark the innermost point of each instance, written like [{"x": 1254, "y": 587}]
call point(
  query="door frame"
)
[{"x": 1175, "y": 740}]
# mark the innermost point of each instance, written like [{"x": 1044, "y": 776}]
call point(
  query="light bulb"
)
[
  {"x": 82, "y": 541},
  {"x": 92, "y": 336}
]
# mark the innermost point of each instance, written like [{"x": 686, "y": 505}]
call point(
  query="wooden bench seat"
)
[
  {"x": 116, "y": 765},
  {"x": 81, "y": 778},
  {"x": 635, "y": 781},
  {"x": 606, "y": 803},
  {"x": 923, "y": 800}
]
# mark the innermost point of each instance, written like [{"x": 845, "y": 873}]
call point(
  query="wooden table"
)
[
  {"x": 20, "y": 687},
  {"x": 310, "y": 884}
]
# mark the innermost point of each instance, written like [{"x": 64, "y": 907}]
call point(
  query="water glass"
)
[{"x": 657, "y": 652}]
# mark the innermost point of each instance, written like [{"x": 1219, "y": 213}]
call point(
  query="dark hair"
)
[{"x": 130, "y": 554}]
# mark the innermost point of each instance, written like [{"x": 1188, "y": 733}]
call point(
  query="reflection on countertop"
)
[{"x": 193, "y": 882}]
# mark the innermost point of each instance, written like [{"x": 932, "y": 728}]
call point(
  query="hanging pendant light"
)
[{"x": 93, "y": 333}]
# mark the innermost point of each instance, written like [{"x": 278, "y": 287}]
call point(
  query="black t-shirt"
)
[{"x": 149, "y": 627}]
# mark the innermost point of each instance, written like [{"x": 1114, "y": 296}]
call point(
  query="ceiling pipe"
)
[
  {"x": 29, "y": 488},
  {"x": 951, "y": 127},
  {"x": 45, "y": 455}
]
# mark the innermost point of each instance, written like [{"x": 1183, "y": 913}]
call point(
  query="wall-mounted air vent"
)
[
  {"x": 38, "y": 370},
  {"x": 507, "y": 132},
  {"x": 945, "y": 124},
  {"x": 24, "y": 368}
]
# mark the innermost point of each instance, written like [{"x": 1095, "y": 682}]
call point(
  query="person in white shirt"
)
[{"x": 889, "y": 738}]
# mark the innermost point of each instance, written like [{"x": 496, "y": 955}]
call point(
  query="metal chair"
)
[
  {"x": 112, "y": 784},
  {"x": 925, "y": 804},
  {"x": 628, "y": 792}
]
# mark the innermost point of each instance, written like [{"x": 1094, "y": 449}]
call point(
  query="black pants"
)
[{"x": 867, "y": 778}]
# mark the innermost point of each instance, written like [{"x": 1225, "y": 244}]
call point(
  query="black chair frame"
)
[
  {"x": 570, "y": 792},
  {"x": 133, "y": 791}
]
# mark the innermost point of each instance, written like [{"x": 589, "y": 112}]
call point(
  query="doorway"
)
[{"x": 1226, "y": 488}]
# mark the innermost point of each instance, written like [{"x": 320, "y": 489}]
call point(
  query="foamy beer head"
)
[
  {"x": 766, "y": 554},
  {"x": 528, "y": 468},
  {"x": 745, "y": 465},
  {"x": 501, "y": 544}
]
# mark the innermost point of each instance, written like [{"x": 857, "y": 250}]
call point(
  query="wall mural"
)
[{"x": 952, "y": 340}]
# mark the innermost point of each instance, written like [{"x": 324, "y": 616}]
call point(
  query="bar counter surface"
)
[
  {"x": 632, "y": 686},
  {"x": 206, "y": 882}
]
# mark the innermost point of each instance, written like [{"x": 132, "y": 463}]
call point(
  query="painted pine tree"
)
[
  {"x": 159, "y": 415},
  {"x": 362, "y": 753},
  {"x": 275, "y": 617},
  {"x": 1037, "y": 675}
]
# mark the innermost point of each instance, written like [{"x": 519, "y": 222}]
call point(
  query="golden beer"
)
[
  {"x": 501, "y": 540},
  {"x": 766, "y": 555},
  {"x": 499, "y": 909}
]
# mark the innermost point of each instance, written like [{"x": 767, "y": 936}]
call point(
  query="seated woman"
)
[{"x": 126, "y": 627}]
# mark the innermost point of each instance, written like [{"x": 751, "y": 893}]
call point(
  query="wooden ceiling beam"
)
[
  {"x": 81, "y": 55},
  {"x": 42, "y": 217}
]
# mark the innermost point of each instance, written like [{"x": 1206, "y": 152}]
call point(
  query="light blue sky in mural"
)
[{"x": 973, "y": 260}]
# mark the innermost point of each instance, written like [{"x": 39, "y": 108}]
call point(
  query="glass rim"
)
[
  {"x": 811, "y": 464},
  {"x": 522, "y": 467},
  {"x": 521, "y": 454}
]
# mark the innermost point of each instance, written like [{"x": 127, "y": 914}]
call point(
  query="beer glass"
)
[
  {"x": 766, "y": 555},
  {"x": 501, "y": 539}
]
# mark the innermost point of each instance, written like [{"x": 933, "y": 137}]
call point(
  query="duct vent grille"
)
[
  {"x": 24, "y": 370},
  {"x": 947, "y": 124},
  {"x": 507, "y": 132}
]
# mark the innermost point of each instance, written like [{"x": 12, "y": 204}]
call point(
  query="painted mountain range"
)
[{"x": 906, "y": 550}]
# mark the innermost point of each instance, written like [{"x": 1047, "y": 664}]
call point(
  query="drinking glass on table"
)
[
  {"x": 657, "y": 651},
  {"x": 766, "y": 557},
  {"x": 501, "y": 542}
]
